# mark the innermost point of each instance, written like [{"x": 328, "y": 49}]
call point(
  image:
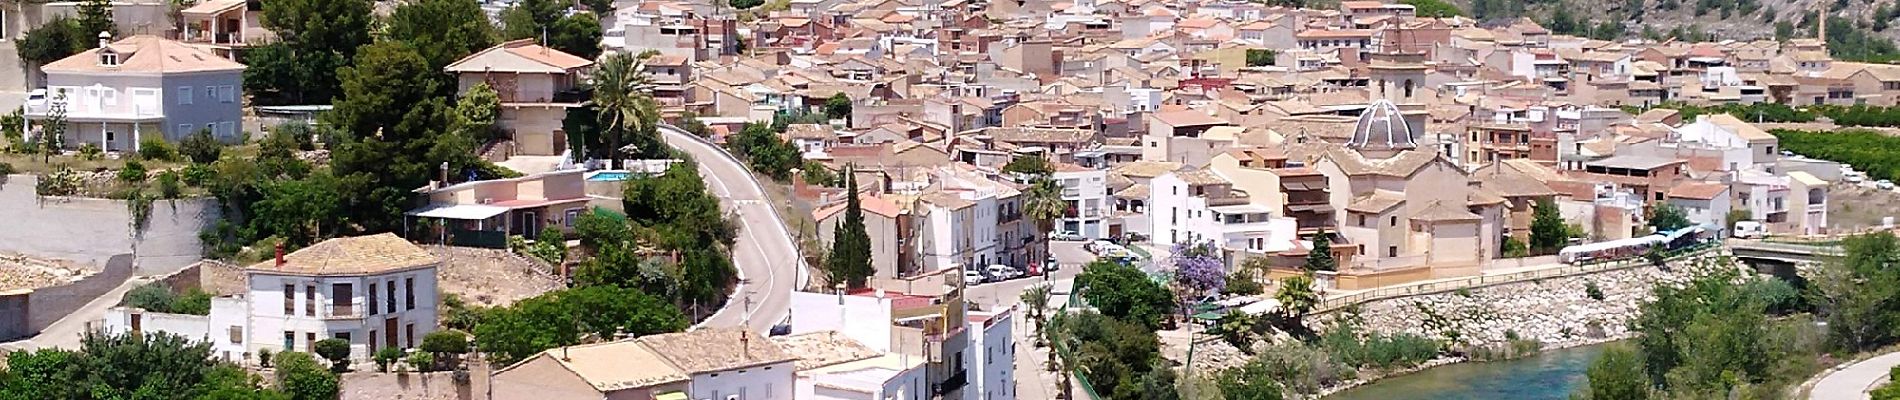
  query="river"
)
[{"x": 1551, "y": 375}]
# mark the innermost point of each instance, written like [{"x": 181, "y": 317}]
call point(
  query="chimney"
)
[
  {"x": 280, "y": 255},
  {"x": 104, "y": 38},
  {"x": 443, "y": 173}
]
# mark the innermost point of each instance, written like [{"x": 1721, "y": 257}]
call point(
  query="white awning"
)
[
  {"x": 1249, "y": 208},
  {"x": 468, "y": 212},
  {"x": 1261, "y": 307}
]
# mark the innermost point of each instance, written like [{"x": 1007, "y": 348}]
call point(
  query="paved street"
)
[
  {"x": 769, "y": 264},
  {"x": 1853, "y": 382},
  {"x": 999, "y": 295}
]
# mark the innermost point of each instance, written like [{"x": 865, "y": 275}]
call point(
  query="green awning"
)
[
  {"x": 671, "y": 396},
  {"x": 1208, "y": 316}
]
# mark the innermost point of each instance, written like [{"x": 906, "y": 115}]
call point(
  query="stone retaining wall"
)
[
  {"x": 24, "y": 313},
  {"x": 1558, "y": 312}
]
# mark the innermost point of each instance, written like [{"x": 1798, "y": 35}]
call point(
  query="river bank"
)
[{"x": 1549, "y": 375}]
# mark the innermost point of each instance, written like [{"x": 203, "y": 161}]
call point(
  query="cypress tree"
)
[
  {"x": 1320, "y": 258},
  {"x": 850, "y": 261}
]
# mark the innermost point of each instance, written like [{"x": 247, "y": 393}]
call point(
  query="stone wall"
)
[
  {"x": 40, "y": 307},
  {"x": 91, "y": 230},
  {"x": 1558, "y": 312}
]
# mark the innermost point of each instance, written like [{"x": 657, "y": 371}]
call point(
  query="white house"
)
[
  {"x": 993, "y": 370},
  {"x": 373, "y": 291},
  {"x": 141, "y": 87},
  {"x": 1201, "y": 205},
  {"x": 1086, "y": 192},
  {"x": 708, "y": 364}
]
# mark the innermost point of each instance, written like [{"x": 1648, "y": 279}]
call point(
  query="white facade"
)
[
  {"x": 1176, "y": 215},
  {"x": 391, "y": 309},
  {"x": 225, "y": 328},
  {"x": 763, "y": 382},
  {"x": 993, "y": 367},
  {"x": 1172, "y": 212},
  {"x": 866, "y": 319},
  {"x": 1086, "y": 192}
]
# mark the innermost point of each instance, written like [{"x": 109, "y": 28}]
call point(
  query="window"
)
[
  {"x": 571, "y": 215},
  {"x": 310, "y": 342},
  {"x": 371, "y": 303},
  {"x": 392, "y": 297},
  {"x": 211, "y": 92},
  {"x": 109, "y": 59},
  {"x": 409, "y": 335},
  {"x": 236, "y": 333},
  {"x": 230, "y": 129},
  {"x": 1391, "y": 251},
  {"x": 1770, "y": 150},
  {"x": 409, "y": 289},
  {"x": 310, "y": 300},
  {"x": 184, "y": 97},
  {"x": 341, "y": 297},
  {"x": 110, "y": 96},
  {"x": 227, "y": 93},
  {"x": 184, "y": 129},
  {"x": 290, "y": 301},
  {"x": 290, "y": 340},
  {"x": 1394, "y": 221}
]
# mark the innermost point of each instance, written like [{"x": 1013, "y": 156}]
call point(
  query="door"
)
[
  {"x": 531, "y": 224},
  {"x": 389, "y": 332}
]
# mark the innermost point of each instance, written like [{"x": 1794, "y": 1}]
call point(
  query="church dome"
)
[{"x": 1382, "y": 127}]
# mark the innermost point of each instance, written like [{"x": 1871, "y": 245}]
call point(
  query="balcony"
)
[{"x": 953, "y": 383}]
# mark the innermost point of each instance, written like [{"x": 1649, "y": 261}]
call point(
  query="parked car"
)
[
  {"x": 1102, "y": 247},
  {"x": 972, "y": 277},
  {"x": 1884, "y": 184},
  {"x": 1004, "y": 272},
  {"x": 1065, "y": 236},
  {"x": 36, "y": 97},
  {"x": 1051, "y": 265}
]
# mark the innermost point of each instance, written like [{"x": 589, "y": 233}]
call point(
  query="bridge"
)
[{"x": 1783, "y": 258}]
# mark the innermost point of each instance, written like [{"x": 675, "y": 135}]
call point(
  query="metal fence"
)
[
  {"x": 1337, "y": 303},
  {"x": 483, "y": 239}
]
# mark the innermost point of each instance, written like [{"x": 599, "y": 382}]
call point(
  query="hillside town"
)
[{"x": 959, "y": 199}]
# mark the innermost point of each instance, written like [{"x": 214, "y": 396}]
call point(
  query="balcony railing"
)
[{"x": 953, "y": 383}]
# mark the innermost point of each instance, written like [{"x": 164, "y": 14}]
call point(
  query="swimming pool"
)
[{"x": 607, "y": 176}]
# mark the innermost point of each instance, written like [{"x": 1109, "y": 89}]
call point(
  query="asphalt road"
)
[
  {"x": 1853, "y": 382},
  {"x": 999, "y": 295},
  {"x": 768, "y": 262}
]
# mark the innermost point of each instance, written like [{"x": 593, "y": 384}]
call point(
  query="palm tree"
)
[
  {"x": 1037, "y": 299},
  {"x": 1043, "y": 202},
  {"x": 622, "y": 91}
]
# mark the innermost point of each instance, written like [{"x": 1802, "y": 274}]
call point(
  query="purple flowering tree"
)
[{"x": 1197, "y": 269}]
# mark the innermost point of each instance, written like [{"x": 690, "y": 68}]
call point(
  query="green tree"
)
[
  {"x": 1617, "y": 373},
  {"x": 620, "y": 87},
  {"x": 1433, "y": 8},
  {"x": 476, "y": 112},
  {"x": 441, "y": 30},
  {"x": 850, "y": 257},
  {"x": 1514, "y": 248},
  {"x": 1668, "y": 217},
  {"x": 1320, "y": 257},
  {"x": 337, "y": 351},
  {"x": 1858, "y": 290},
  {"x": 299, "y": 375},
  {"x": 133, "y": 172},
  {"x": 572, "y": 316},
  {"x": 315, "y": 37},
  {"x": 1029, "y": 165},
  {"x": 1125, "y": 293},
  {"x": 1296, "y": 295},
  {"x": 52, "y": 135},
  {"x": 95, "y": 17},
  {"x": 1260, "y": 57},
  {"x": 200, "y": 147},
  {"x": 125, "y": 366},
  {"x": 578, "y": 34},
  {"x": 1043, "y": 203},
  {"x": 1548, "y": 231},
  {"x": 58, "y": 38},
  {"x": 838, "y": 106},
  {"x": 1122, "y": 358}
]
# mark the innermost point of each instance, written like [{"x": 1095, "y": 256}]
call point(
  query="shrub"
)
[
  {"x": 168, "y": 186},
  {"x": 7, "y": 169},
  {"x": 157, "y": 149},
  {"x": 1395, "y": 351},
  {"x": 337, "y": 351},
  {"x": 201, "y": 148},
  {"x": 264, "y": 357},
  {"x": 1590, "y": 289},
  {"x": 197, "y": 175},
  {"x": 62, "y": 182},
  {"x": 385, "y": 357},
  {"x": 134, "y": 172},
  {"x": 90, "y": 151},
  {"x": 445, "y": 342},
  {"x": 422, "y": 361}
]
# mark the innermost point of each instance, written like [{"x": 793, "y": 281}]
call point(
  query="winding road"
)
[
  {"x": 769, "y": 265},
  {"x": 1853, "y": 381}
]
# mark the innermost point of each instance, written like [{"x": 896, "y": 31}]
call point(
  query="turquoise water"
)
[
  {"x": 608, "y": 176},
  {"x": 1550, "y": 375}
]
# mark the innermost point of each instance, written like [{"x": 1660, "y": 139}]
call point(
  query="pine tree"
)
[
  {"x": 850, "y": 261},
  {"x": 96, "y": 16},
  {"x": 1548, "y": 232},
  {"x": 1320, "y": 258}
]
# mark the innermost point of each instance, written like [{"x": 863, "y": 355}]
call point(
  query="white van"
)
[{"x": 1750, "y": 230}]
